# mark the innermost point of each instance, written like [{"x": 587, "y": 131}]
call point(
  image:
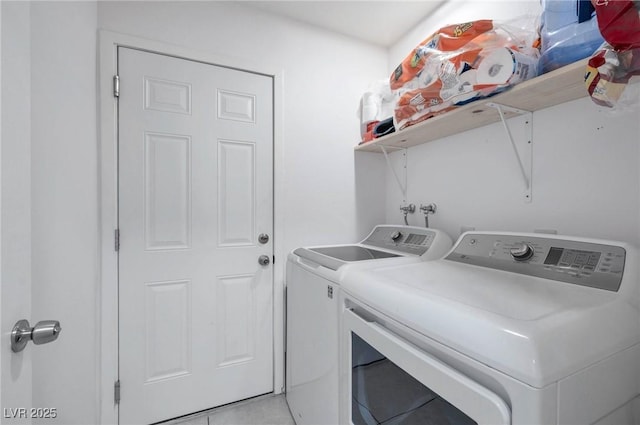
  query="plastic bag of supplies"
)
[
  {"x": 611, "y": 67},
  {"x": 459, "y": 64}
]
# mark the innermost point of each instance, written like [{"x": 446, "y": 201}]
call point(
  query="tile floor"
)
[{"x": 263, "y": 410}]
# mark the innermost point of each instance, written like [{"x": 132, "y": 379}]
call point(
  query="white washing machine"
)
[
  {"x": 506, "y": 329},
  {"x": 313, "y": 277}
]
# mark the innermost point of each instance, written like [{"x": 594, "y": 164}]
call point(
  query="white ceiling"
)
[{"x": 377, "y": 22}]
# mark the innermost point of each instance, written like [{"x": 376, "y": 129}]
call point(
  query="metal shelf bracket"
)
[
  {"x": 524, "y": 155},
  {"x": 402, "y": 183}
]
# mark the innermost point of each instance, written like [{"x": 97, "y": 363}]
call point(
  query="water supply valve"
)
[
  {"x": 426, "y": 210},
  {"x": 407, "y": 209}
]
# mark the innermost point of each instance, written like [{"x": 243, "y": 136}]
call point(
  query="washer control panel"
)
[
  {"x": 406, "y": 239},
  {"x": 567, "y": 260}
]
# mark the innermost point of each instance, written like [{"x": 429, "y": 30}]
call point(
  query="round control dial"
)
[
  {"x": 396, "y": 236},
  {"x": 522, "y": 252}
]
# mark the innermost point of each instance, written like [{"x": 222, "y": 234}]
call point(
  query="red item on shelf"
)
[
  {"x": 619, "y": 22},
  {"x": 368, "y": 134}
]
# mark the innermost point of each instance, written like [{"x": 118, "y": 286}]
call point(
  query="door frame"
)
[
  {"x": 1, "y": 354},
  {"x": 107, "y": 295}
]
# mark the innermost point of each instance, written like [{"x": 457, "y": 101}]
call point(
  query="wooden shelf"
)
[{"x": 559, "y": 86}]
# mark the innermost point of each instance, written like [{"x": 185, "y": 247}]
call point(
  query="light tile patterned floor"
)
[{"x": 265, "y": 410}]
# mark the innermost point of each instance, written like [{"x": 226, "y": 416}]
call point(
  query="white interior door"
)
[
  {"x": 16, "y": 372},
  {"x": 195, "y": 191}
]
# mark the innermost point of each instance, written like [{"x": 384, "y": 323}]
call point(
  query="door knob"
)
[
  {"x": 42, "y": 333},
  {"x": 264, "y": 260}
]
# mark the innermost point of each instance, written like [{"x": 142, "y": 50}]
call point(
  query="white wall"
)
[
  {"x": 16, "y": 202},
  {"x": 49, "y": 200},
  {"x": 585, "y": 164},
  {"x": 324, "y": 76},
  {"x": 64, "y": 204},
  {"x": 459, "y": 11}
]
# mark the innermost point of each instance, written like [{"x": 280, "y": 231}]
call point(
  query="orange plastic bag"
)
[
  {"x": 458, "y": 64},
  {"x": 447, "y": 39}
]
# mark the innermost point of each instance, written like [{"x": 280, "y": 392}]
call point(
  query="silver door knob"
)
[
  {"x": 264, "y": 260},
  {"x": 45, "y": 332},
  {"x": 42, "y": 333}
]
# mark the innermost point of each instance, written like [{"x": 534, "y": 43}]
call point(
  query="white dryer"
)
[
  {"x": 313, "y": 278},
  {"x": 506, "y": 329}
]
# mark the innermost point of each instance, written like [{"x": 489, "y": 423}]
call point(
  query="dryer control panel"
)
[
  {"x": 574, "y": 261},
  {"x": 407, "y": 239}
]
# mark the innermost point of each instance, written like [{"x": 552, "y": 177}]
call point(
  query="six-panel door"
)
[{"x": 195, "y": 192}]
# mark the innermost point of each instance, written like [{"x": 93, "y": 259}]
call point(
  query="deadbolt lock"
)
[{"x": 263, "y": 238}]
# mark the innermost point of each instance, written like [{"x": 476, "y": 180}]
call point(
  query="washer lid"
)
[
  {"x": 353, "y": 253},
  {"x": 334, "y": 257},
  {"x": 534, "y": 329}
]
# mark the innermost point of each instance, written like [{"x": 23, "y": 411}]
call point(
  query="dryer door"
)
[{"x": 394, "y": 382}]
